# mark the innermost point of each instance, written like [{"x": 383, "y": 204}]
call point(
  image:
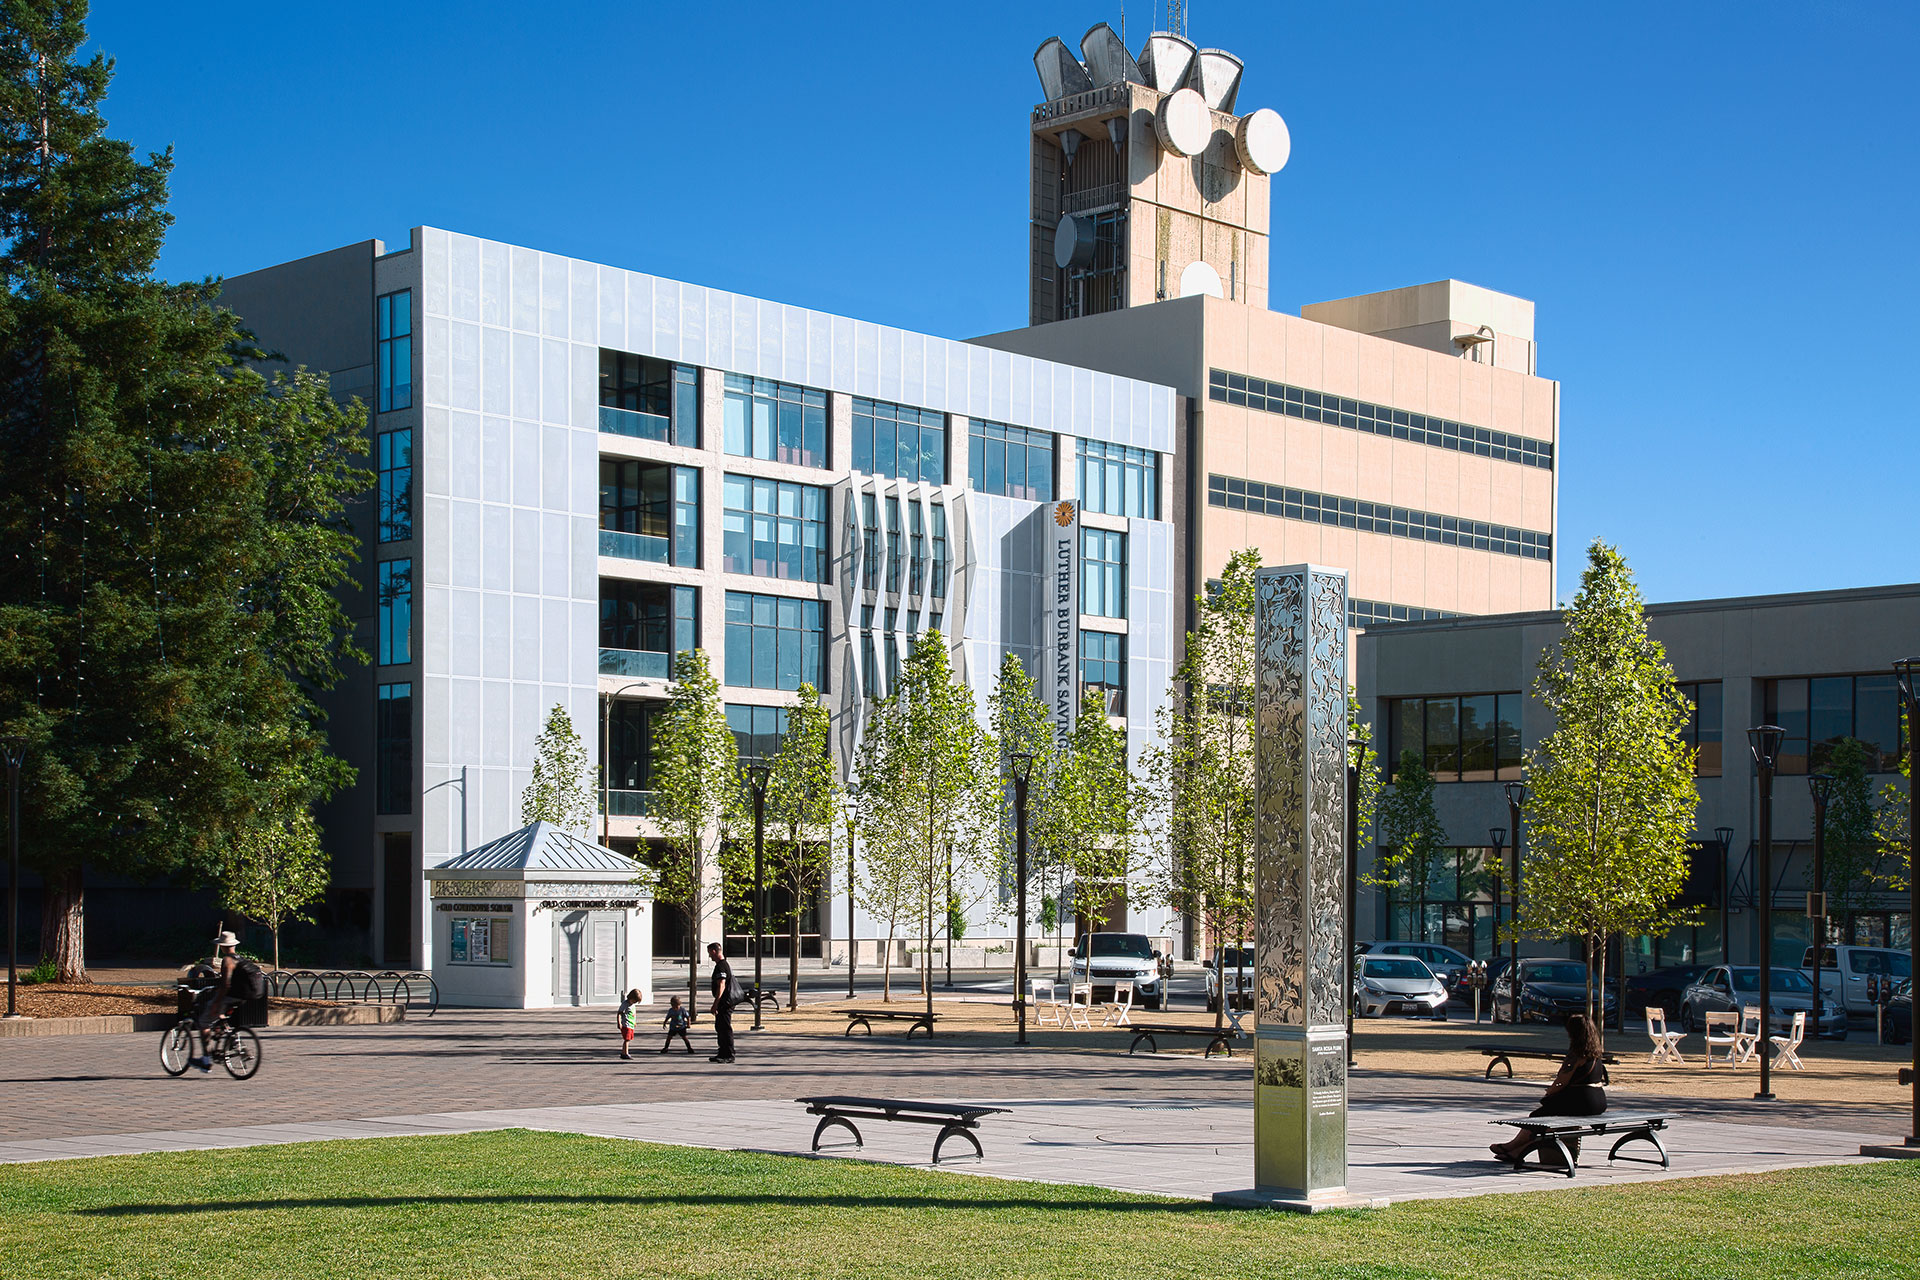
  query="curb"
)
[{"x": 365, "y": 1015}]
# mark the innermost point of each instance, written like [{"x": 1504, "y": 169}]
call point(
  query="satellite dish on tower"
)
[
  {"x": 1201, "y": 278},
  {"x": 1073, "y": 243},
  {"x": 1263, "y": 142},
  {"x": 1183, "y": 123}
]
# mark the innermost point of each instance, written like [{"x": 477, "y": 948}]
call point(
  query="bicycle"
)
[{"x": 234, "y": 1047}]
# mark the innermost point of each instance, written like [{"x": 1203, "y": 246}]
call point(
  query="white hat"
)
[{"x": 226, "y": 939}]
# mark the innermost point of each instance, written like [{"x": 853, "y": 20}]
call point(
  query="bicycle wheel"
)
[
  {"x": 242, "y": 1057},
  {"x": 176, "y": 1048}
]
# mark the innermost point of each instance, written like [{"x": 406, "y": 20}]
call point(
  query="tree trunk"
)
[
  {"x": 693, "y": 971},
  {"x": 63, "y": 924},
  {"x": 276, "y": 946},
  {"x": 793, "y": 957},
  {"x": 886, "y": 967},
  {"x": 1599, "y": 975}
]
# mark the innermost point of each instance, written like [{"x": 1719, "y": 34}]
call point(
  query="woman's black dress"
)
[{"x": 1577, "y": 1091}]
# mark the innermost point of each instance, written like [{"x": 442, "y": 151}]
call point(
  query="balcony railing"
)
[
  {"x": 627, "y": 804},
  {"x": 631, "y": 422},
  {"x": 635, "y": 664},
  {"x": 634, "y": 546}
]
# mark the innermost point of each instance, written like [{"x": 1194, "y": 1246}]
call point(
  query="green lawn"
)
[{"x": 548, "y": 1205}]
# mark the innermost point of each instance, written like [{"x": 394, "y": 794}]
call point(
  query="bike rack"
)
[{"x": 409, "y": 988}]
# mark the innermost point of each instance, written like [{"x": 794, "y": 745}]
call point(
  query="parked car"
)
[
  {"x": 1844, "y": 972},
  {"x": 1899, "y": 1017},
  {"x": 1662, "y": 988},
  {"x": 1447, "y": 964},
  {"x": 1385, "y": 984},
  {"x": 1731, "y": 988},
  {"x": 1120, "y": 957},
  {"x": 1234, "y": 970},
  {"x": 1550, "y": 991}
]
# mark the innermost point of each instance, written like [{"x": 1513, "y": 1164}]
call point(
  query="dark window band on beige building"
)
[
  {"x": 1377, "y": 419},
  {"x": 1236, "y": 494}
]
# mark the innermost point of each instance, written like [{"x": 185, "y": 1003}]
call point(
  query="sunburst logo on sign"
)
[{"x": 1063, "y": 514}]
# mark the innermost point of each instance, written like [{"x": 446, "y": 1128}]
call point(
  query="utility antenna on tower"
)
[{"x": 1177, "y": 17}]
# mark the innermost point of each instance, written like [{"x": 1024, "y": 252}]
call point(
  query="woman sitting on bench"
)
[{"x": 1576, "y": 1091}]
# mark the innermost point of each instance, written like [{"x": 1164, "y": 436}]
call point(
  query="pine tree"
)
[
  {"x": 174, "y": 519},
  {"x": 1410, "y": 830},
  {"x": 1611, "y": 795},
  {"x": 695, "y": 796},
  {"x": 561, "y": 790}
]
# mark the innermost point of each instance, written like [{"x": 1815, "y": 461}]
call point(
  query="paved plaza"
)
[{"x": 1173, "y": 1125}]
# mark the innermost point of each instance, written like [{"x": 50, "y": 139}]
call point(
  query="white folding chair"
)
[
  {"x": 1118, "y": 1011},
  {"x": 1046, "y": 1005},
  {"x": 1080, "y": 1005},
  {"x": 1785, "y": 1048},
  {"x": 1666, "y": 1044},
  {"x": 1723, "y": 1031},
  {"x": 1750, "y": 1031}
]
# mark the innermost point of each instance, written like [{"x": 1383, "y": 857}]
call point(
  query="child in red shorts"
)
[{"x": 629, "y": 1023}]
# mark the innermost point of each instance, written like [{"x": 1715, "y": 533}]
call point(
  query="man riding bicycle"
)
[{"x": 216, "y": 1001}]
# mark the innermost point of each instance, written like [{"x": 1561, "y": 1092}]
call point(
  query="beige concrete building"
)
[{"x": 1404, "y": 435}]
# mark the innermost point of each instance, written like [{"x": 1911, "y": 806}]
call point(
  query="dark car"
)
[
  {"x": 1899, "y": 1016},
  {"x": 1662, "y": 988},
  {"x": 1732, "y": 988},
  {"x": 1550, "y": 991}
]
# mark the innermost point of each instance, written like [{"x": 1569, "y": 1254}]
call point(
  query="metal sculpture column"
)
[{"x": 1300, "y": 941}]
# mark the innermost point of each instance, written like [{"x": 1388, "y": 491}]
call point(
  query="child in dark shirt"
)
[{"x": 676, "y": 1023}]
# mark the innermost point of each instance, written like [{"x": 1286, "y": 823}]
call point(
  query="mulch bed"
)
[{"x": 88, "y": 1000}]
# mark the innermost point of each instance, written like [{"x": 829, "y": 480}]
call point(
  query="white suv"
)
[
  {"x": 1120, "y": 957},
  {"x": 1844, "y": 972}
]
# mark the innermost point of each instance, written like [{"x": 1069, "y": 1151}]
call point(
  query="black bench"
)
[
  {"x": 1223, "y": 1038},
  {"x": 1498, "y": 1054},
  {"x": 1546, "y": 1133},
  {"x": 954, "y": 1119},
  {"x": 865, "y": 1018}
]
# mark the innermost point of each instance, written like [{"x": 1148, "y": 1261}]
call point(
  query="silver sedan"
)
[{"x": 1396, "y": 984}]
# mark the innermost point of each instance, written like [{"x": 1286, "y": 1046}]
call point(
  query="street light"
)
[
  {"x": 757, "y": 773},
  {"x": 1820, "y": 786},
  {"x": 15, "y": 751},
  {"x": 1022, "y": 762},
  {"x": 1725, "y": 836},
  {"x": 1516, "y": 794},
  {"x": 606, "y": 763},
  {"x": 1908, "y": 670},
  {"x": 1497, "y": 836},
  {"x": 853, "y": 809},
  {"x": 1764, "y": 740}
]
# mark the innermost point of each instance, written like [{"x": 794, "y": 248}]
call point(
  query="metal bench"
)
[
  {"x": 1546, "y": 1133},
  {"x": 954, "y": 1119},
  {"x": 865, "y": 1018},
  {"x": 1223, "y": 1038},
  {"x": 1498, "y": 1054}
]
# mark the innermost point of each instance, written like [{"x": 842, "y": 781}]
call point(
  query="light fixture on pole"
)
[
  {"x": 757, "y": 774},
  {"x": 853, "y": 809},
  {"x": 1765, "y": 740},
  {"x": 606, "y": 763},
  {"x": 1908, "y": 670},
  {"x": 15, "y": 751},
  {"x": 1820, "y": 787},
  {"x": 1497, "y": 836},
  {"x": 1516, "y": 796},
  {"x": 1725, "y": 836},
  {"x": 1022, "y": 762}
]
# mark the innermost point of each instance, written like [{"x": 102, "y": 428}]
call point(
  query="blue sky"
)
[{"x": 1712, "y": 204}]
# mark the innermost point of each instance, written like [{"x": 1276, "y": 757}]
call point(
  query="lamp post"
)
[
  {"x": 1764, "y": 740},
  {"x": 757, "y": 779},
  {"x": 853, "y": 808},
  {"x": 606, "y": 763},
  {"x": 1022, "y": 762},
  {"x": 1908, "y": 670},
  {"x": 1355, "y": 750},
  {"x": 1497, "y": 836},
  {"x": 1516, "y": 793},
  {"x": 1725, "y": 836},
  {"x": 1820, "y": 786},
  {"x": 15, "y": 750}
]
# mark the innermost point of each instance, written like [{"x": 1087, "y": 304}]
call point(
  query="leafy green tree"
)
[
  {"x": 273, "y": 869},
  {"x": 178, "y": 519},
  {"x": 1020, "y": 723},
  {"x": 561, "y": 790},
  {"x": 1409, "y": 829},
  {"x": 1852, "y": 852},
  {"x": 695, "y": 794},
  {"x": 1611, "y": 792},
  {"x": 1893, "y": 824},
  {"x": 803, "y": 800},
  {"x": 889, "y": 832},
  {"x": 1091, "y": 820}
]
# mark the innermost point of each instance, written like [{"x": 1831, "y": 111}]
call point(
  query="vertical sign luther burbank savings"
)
[{"x": 1063, "y": 617}]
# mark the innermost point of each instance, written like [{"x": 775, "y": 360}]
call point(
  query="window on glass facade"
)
[
  {"x": 396, "y": 612},
  {"x": 649, "y": 399},
  {"x": 393, "y": 749},
  {"x": 650, "y": 511},
  {"x": 756, "y": 730},
  {"x": 776, "y": 421},
  {"x": 938, "y": 515},
  {"x": 1008, "y": 460},
  {"x": 775, "y": 529},
  {"x": 1103, "y": 573},
  {"x": 395, "y": 354},
  {"x": 1703, "y": 730},
  {"x": 628, "y": 723},
  {"x": 393, "y": 456},
  {"x": 869, "y": 655},
  {"x": 1818, "y": 711},
  {"x": 894, "y": 440},
  {"x": 893, "y": 648},
  {"x": 1103, "y": 666},
  {"x": 1118, "y": 480},
  {"x": 1471, "y": 738},
  {"x": 893, "y": 545},
  {"x": 916, "y": 549},
  {"x": 774, "y": 642},
  {"x": 643, "y": 624},
  {"x": 869, "y": 542}
]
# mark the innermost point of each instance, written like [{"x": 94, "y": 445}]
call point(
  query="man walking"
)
[{"x": 722, "y": 1003}]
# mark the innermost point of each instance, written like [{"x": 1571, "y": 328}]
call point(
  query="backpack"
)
[
  {"x": 736, "y": 992},
  {"x": 247, "y": 983}
]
